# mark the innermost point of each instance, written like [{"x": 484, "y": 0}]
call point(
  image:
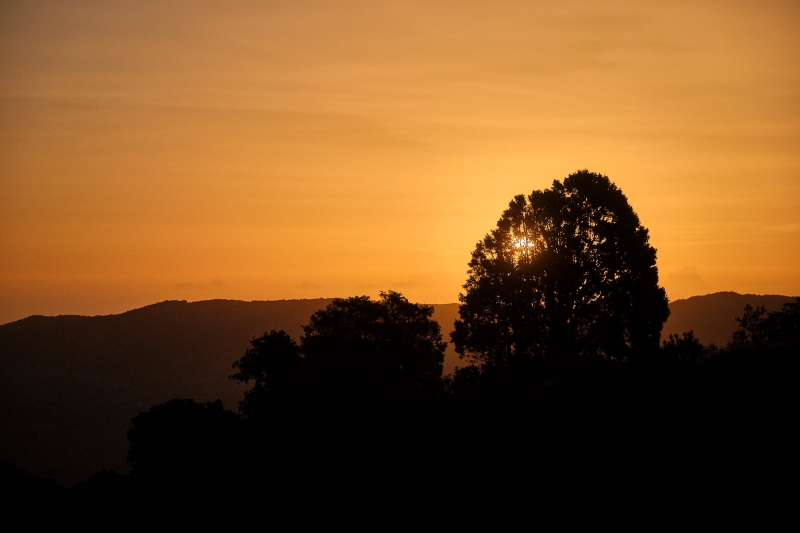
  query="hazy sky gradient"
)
[{"x": 268, "y": 150}]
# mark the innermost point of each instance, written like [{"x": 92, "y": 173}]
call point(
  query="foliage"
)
[
  {"x": 783, "y": 327},
  {"x": 269, "y": 359},
  {"x": 337, "y": 406},
  {"x": 390, "y": 340},
  {"x": 354, "y": 350},
  {"x": 182, "y": 439},
  {"x": 568, "y": 271},
  {"x": 758, "y": 328},
  {"x": 273, "y": 363},
  {"x": 751, "y": 325},
  {"x": 685, "y": 348}
]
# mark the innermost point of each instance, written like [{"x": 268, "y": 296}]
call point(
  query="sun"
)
[{"x": 522, "y": 247}]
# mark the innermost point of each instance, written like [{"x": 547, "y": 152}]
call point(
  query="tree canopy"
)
[
  {"x": 356, "y": 350},
  {"x": 779, "y": 328},
  {"x": 568, "y": 271},
  {"x": 391, "y": 340},
  {"x": 182, "y": 440}
]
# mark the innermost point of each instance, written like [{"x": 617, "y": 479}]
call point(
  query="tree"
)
[
  {"x": 392, "y": 343},
  {"x": 751, "y": 326},
  {"x": 757, "y": 327},
  {"x": 685, "y": 348},
  {"x": 275, "y": 365},
  {"x": 567, "y": 272},
  {"x": 269, "y": 361},
  {"x": 356, "y": 350},
  {"x": 352, "y": 398},
  {"x": 783, "y": 327},
  {"x": 185, "y": 442}
]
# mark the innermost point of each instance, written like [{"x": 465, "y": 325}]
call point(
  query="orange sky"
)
[{"x": 269, "y": 150}]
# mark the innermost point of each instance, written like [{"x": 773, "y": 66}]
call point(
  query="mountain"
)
[
  {"x": 713, "y": 317},
  {"x": 69, "y": 385}
]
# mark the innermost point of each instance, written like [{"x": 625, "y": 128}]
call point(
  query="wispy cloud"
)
[
  {"x": 213, "y": 284},
  {"x": 685, "y": 282}
]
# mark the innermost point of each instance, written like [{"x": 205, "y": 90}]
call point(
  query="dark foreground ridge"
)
[
  {"x": 315, "y": 417},
  {"x": 71, "y": 384}
]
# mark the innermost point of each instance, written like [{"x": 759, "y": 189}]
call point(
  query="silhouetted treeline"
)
[
  {"x": 320, "y": 420},
  {"x": 69, "y": 386},
  {"x": 359, "y": 404}
]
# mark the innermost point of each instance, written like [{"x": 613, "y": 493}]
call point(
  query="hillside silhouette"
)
[
  {"x": 70, "y": 385},
  {"x": 713, "y": 317}
]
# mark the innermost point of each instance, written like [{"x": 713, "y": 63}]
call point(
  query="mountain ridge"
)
[
  {"x": 713, "y": 316},
  {"x": 70, "y": 384}
]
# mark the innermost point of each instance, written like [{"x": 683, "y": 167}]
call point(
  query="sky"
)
[{"x": 288, "y": 149}]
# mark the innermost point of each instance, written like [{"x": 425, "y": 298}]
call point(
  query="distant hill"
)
[
  {"x": 69, "y": 385},
  {"x": 713, "y": 317}
]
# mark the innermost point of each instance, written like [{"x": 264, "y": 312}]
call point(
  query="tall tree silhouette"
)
[{"x": 568, "y": 271}]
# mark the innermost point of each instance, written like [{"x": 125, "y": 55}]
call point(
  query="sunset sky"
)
[{"x": 271, "y": 150}]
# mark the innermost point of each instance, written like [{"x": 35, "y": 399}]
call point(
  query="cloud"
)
[
  {"x": 685, "y": 282},
  {"x": 369, "y": 288},
  {"x": 213, "y": 284},
  {"x": 415, "y": 281},
  {"x": 308, "y": 285},
  {"x": 686, "y": 274}
]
